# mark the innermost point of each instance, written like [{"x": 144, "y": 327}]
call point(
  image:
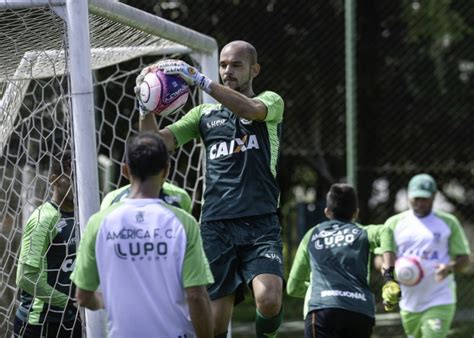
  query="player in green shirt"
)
[
  {"x": 47, "y": 258},
  {"x": 239, "y": 224},
  {"x": 331, "y": 270}
]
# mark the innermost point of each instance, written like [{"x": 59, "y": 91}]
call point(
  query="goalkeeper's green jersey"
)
[
  {"x": 48, "y": 244},
  {"x": 169, "y": 193},
  {"x": 331, "y": 267},
  {"x": 241, "y": 158}
]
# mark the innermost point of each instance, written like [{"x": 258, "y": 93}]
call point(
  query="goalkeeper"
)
[
  {"x": 47, "y": 257},
  {"x": 239, "y": 222},
  {"x": 331, "y": 270}
]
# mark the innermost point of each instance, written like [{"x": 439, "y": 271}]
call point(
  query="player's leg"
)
[
  {"x": 222, "y": 309},
  {"x": 260, "y": 252},
  {"x": 267, "y": 290},
  {"x": 228, "y": 282},
  {"x": 411, "y": 322},
  {"x": 436, "y": 321}
]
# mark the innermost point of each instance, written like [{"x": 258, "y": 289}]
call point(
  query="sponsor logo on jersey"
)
[
  {"x": 340, "y": 293},
  {"x": 245, "y": 121},
  {"x": 140, "y": 244},
  {"x": 336, "y": 238},
  {"x": 137, "y": 251},
  {"x": 68, "y": 265},
  {"x": 215, "y": 123},
  {"x": 222, "y": 149}
]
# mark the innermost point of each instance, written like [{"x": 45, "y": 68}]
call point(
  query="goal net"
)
[{"x": 36, "y": 117}]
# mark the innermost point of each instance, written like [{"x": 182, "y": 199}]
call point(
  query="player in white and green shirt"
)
[
  {"x": 239, "y": 225},
  {"x": 437, "y": 239},
  {"x": 331, "y": 270},
  {"x": 147, "y": 257},
  {"x": 47, "y": 257}
]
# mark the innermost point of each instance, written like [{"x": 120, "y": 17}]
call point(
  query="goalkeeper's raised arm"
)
[{"x": 241, "y": 134}]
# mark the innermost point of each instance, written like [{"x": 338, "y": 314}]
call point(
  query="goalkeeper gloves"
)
[
  {"x": 188, "y": 73},
  {"x": 391, "y": 292},
  {"x": 138, "y": 81}
]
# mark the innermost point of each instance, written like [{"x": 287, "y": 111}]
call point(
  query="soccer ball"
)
[
  {"x": 163, "y": 94},
  {"x": 408, "y": 270}
]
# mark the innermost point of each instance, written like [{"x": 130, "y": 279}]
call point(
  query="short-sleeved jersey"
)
[
  {"x": 241, "y": 158},
  {"x": 144, "y": 253},
  {"x": 169, "y": 193},
  {"x": 434, "y": 239},
  {"x": 331, "y": 267},
  {"x": 49, "y": 244}
]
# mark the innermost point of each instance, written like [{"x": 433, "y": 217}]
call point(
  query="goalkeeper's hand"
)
[
  {"x": 391, "y": 295},
  {"x": 391, "y": 292},
  {"x": 138, "y": 82},
  {"x": 188, "y": 73}
]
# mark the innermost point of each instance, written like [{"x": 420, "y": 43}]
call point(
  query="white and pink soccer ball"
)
[
  {"x": 163, "y": 94},
  {"x": 408, "y": 270}
]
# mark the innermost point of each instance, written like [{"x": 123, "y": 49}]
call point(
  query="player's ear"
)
[
  {"x": 125, "y": 171},
  {"x": 255, "y": 70},
  {"x": 328, "y": 213},
  {"x": 166, "y": 172},
  {"x": 355, "y": 214}
]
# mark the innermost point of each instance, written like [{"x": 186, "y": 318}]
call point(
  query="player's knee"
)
[{"x": 269, "y": 303}]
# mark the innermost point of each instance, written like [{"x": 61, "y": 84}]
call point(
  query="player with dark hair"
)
[
  {"x": 47, "y": 257},
  {"x": 239, "y": 223},
  {"x": 437, "y": 239},
  {"x": 331, "y": 270},
  {"x": 147, "y": 257}
]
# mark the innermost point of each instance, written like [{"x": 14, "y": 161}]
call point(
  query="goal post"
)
[{"x": 67, "y": 71}]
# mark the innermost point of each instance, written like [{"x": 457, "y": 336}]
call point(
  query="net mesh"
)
[{"x": 36, "y": 118}]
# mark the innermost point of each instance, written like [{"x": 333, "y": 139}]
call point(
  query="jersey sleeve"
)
[
  {"x": 38, "y": 233},
  {"x": 185, "y": 201},
  {"x": 300, "y": 272},
  {"x": 109, "y": 199},
  {"x": 274, "y": 104},
  {"x": 381, "y": 238},
  {"x": 458, "y": 243},
  {"x": 196, "y": 270},
  {"x": 187, "y": 127},
  {"x": 86, "y": 273}
]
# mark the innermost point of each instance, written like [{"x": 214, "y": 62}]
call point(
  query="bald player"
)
[{"x": 239, "y": 223}]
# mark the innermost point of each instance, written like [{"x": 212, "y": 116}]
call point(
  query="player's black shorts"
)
[
  {"x": 337, "y": 323},
  {"x": 69, "y": 329},
  {"x": 240, "y": 249}
]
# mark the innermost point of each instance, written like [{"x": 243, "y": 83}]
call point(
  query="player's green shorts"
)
[
  {"x": 431, "y": 323},
  {"x": 240, "y": 249}
]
